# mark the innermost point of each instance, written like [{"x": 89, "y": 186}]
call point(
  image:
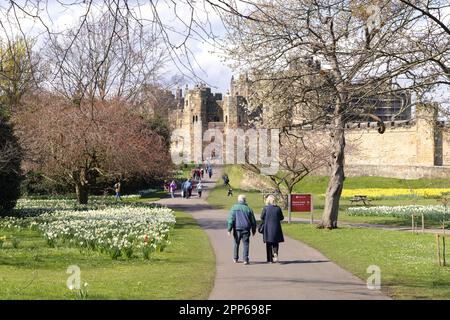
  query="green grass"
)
[
  {"x": 317, "y": 186},
  {"x": 153, "y": 196},
  {"x": 407, "y": 261},
  {"x": 185, "y": 270}
]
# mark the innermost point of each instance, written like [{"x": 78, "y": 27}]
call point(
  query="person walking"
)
[
  {"x": 172, "y": 188},
  {"x": 184, "y": 189},
  {"x": 210, "y": 172},
  {"x": 117, "y": 188},
  {"x": 226, "y": 180},
  {"x": 189, "y": 188},
  {"x": 271, "y": 218},
  {"x": 241, "y": 221},
  {"x": 202, "y": 172},
  {"x": 199, "y": 188}
]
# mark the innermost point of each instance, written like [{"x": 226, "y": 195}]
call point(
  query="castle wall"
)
[
  {"x": 407, "y": 149},
  {"x": 446, "y": 147},
  {"x": 396, "y": 146}
]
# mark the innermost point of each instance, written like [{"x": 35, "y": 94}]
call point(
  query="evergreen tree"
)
[{"x": 10, "y": 171}]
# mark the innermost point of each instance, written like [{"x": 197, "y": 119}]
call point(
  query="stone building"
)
[
  {"x": 408, "y": 149},
  {"x": 417, "y": 146},
  {"x": 199, "y": 109}
]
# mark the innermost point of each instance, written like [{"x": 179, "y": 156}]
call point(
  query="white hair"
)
[
  {"x": 270, "y": 199},
  {"x": 242, "y": 198}
]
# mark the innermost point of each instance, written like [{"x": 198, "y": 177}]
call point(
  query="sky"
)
[{"x": 208, "y": 65}]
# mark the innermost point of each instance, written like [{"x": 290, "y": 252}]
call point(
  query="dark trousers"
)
[
  {"x": 271, "y": 248},
  {"x": 243, "y": 235}
]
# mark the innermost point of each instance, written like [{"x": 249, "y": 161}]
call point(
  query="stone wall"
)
[
  {"x": 406, "y": 150},
  {"x": 397, "y": 146}
]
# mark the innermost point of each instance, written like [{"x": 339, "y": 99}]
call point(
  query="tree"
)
[
  {"x": 77, "y": 144},
  {"x": 300, "y": 154},
  {"x": 16, "y": 74},
  {"x": 155, "y": 104},
  {"x": 15, "y": 80},
  {"x": 321, "y": 56},
  {"x": 104, "y": 57},
  {"x": 10, "y": 170}
]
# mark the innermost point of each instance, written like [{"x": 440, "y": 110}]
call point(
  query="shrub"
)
[{"x": 10, "y": 170}]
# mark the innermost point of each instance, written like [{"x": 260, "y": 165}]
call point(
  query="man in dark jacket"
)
[{"x": 241, "y": 221}]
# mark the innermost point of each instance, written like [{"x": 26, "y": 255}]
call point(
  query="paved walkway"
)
[{"x": 303, "y": 272}]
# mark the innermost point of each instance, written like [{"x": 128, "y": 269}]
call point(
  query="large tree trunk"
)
[
  {"x": 81, "y": 186},
  {"x": 82, "y": 191},
  {"x": 336, "y": 183}
]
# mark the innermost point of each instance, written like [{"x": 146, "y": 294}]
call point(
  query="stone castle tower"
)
[{"x": 199, "y": 110}]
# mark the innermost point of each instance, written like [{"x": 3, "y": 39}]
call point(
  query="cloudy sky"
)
[{"x": 205, "y": 58}]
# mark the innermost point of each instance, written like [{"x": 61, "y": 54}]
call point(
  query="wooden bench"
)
[{"x": 360, "y": 198}]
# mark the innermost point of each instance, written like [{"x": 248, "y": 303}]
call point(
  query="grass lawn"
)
[
  {"x": 153, "y": 196},
  {"x": 317, "y": 186},
  {"x": 407, "y": 261},
  {"x": 185, "y": 270}
]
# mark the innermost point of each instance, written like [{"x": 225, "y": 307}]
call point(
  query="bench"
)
[{"x": 360, "y": 198}]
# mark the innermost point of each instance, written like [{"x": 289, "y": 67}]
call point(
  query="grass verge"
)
[
  {"x": 317, "y": 186},
  {"x": 407, "y": 261},
  {"x": 185, "y": 270}
]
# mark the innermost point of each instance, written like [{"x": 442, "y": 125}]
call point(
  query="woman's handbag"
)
[{"x": 261, "y": 228}]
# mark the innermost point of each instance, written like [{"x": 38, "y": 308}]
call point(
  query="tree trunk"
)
[
  {"x": 336, "y": 183},
  {"x": 82, "y": 191}
]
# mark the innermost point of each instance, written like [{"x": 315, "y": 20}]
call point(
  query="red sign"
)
[{"x": 301, "y": 203}]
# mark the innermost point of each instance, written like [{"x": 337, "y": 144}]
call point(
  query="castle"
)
[
  {"x": 415, "y": 147},
  {"x": 198, "y": 110},
  {"x": 200, "y": 105}
]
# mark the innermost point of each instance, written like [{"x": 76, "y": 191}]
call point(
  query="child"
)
[
  {"x": 230, "y": 192},
  {"x": 199, "y": 188}
]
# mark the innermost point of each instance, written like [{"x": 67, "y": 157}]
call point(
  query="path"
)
[{"x": 303, "y": 272}]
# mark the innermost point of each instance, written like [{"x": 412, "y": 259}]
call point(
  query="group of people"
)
[
  {"x": 242, "y": 224},
  {"x": 199, "y": 172},
  {"x": 188, "y": 186}
]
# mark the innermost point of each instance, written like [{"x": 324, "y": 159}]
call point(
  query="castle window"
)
[
  {"x": 196, "y": 118},
  {"x": 226, "y": 119},
  {"x": 239, "y": 119},
  {"x": 193, "y": 119}
]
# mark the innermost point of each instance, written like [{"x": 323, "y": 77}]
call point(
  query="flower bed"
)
[
  {"x": 378, "y": 193},
  {"x": 435, "y": 213},
  {"x": 118, "y": 231},
  {"x": 33, "y": 207}
]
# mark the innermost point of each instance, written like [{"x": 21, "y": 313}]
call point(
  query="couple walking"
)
[{"x": 242, "y": 222}]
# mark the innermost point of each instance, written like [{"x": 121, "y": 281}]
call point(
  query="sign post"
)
[
  {"x": 300, "y": 203},
  {"x": 289, "y": 208}
]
